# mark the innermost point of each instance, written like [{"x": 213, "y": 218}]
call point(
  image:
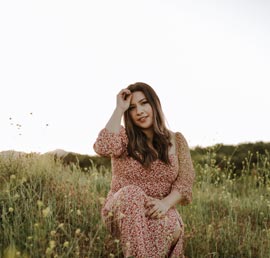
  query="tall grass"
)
[{"x": 51, "y": 210}]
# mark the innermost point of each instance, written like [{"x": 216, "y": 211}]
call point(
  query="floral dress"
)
[{"x": 124, "y": 209}]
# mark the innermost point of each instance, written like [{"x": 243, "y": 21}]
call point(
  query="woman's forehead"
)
[{"x": 137, "y": 96}]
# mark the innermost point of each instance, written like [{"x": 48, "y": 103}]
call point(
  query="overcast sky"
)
[{"x": 62, "y": 64}]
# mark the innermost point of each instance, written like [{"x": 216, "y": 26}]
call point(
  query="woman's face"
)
[{"x": 140, "y": 110}]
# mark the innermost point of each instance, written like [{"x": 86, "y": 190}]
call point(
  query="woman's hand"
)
[
  {"x": 156, "y": 208},
  {"x": 123, "y": 99}
]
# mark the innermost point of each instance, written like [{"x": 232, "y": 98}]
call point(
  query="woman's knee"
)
[
  {"x": 131, "y": 194},
  {"x": 132, "y": 190}
]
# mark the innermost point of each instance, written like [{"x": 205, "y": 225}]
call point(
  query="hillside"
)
[{"x": 221, "y": 153}]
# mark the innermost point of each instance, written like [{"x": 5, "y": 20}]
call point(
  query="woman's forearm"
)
[
  {"x": 173, "y": 198},
  {"x": 114, "y": 124},
  {"x": 123, "y": 103}
]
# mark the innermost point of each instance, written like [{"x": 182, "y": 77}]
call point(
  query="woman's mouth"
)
[{"x": 142, "y": 119}]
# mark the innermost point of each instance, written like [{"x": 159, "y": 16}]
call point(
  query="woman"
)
[{"x": 148, "y": 179}]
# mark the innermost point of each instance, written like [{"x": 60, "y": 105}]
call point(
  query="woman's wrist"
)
[
  {"x": 172, "y": 199},
  {"x": 167, "y": 203},
  {"x": 119, "y": 110}
]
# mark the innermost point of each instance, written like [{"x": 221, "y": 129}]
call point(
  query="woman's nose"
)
[{"x": 139, "y": 110}]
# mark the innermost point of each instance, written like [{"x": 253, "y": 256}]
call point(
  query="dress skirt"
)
[{"x": 140, "y": 236}]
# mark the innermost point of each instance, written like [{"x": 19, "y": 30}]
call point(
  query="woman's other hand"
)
[{"x": 156, "y": 208}]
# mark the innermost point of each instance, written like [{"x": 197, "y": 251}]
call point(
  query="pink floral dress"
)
[{"x": 124, "y": 209}]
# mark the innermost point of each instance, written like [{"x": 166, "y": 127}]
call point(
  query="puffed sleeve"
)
[
  {"x": 111, "y": 144},
  {"x": 186, "y": 175}
]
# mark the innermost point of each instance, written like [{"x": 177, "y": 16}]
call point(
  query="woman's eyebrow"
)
[{"x": 141, "y": 100}]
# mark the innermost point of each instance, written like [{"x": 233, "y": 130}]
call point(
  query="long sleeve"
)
[
  {"x": 186, "y": 175},
  {"x": 111, "y": 144}
]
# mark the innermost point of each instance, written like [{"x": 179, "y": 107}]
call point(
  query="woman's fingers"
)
[
  {"x": 150, "y": 211},
  {"x": 148, "y": 204},
  {"x": 128, "y": 97},
  {"x": 156, "y": 214},
  {"x": 124, "y": 93},
  {"x": 154, "y": 210},
  {"x": 123, "y": 99}
]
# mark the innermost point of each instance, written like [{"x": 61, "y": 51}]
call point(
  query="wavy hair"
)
[{"x": 137, "y": 144}]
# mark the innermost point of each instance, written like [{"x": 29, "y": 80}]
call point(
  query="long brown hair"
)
[{"x": 137, "y": 144}]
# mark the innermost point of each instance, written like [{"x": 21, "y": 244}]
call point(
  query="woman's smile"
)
[{"x": 142, "y": 119}]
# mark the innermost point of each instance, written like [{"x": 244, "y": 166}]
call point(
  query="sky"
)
[{"x": 63, "y": 62}]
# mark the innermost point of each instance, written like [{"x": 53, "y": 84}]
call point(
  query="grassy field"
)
[{"x": 51, "y": 210}]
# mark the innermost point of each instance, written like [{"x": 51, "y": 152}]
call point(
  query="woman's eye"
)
[
  {"x": 130, "y": 108},
  {"x": 145, "y": 102}
]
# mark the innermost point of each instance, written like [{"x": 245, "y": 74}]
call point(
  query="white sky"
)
[{"x": 65, "y": 61}]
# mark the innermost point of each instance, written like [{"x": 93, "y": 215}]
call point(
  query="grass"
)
[{"x": 51, "y": 210}]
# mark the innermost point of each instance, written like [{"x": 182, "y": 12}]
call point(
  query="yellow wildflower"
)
[
  {"x": 12, "y": 177},
  {"x": 48, "y": 250},
  {"x": 46, "y": 212},
  {"x": 101, "y": 200},
  {"x": 61, "y": 225},
  {"x": 39, "y": 203},
  {"x": 66, "y": 244},
  {"x": 23, "y": 180},
  {"x": 52, "y": 244},
  {"x": 16, "y": 196}
]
